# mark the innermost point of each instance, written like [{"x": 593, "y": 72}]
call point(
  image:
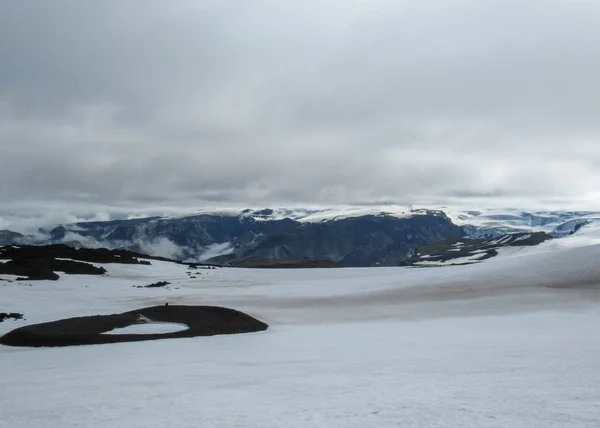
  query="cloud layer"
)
[{"x": 149, "y": 105}]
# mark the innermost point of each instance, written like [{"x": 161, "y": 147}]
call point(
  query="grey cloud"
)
[{"x": 150, "y": 104}]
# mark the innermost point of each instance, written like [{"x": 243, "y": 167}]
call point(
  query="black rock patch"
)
[
  {"x": 201, "y": 320},
  {"x": 155, "y": 285},
  {"x": 12, "y": 315}
]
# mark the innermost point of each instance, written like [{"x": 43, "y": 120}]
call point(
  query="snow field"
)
[{"x": 511, "y": 342}]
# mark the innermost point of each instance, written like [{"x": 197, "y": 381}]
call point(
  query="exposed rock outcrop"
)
[
  {"x": 201, "y": 320},
  {"x": 46, "y": 268},
  {"x": 468, "y": 251},
  {"x": 10, "y": 316}
]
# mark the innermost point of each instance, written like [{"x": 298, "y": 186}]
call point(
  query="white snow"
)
[
  {"x": 522, "y": 238},
  {"x": 510, "y": 342},
  {"x": 587, "y": 235},
  {"x": 343, "y": 213},
  {"x": 510, "y": 220},
  {"x": 149, "y": 328},
  {"x": 311, "y": 215},
  {"x": 454, "y": 261}
]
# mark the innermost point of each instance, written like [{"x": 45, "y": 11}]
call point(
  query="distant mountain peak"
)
[{"x": 351, "y": 236}]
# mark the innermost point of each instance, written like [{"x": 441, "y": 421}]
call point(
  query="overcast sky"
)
[{"x": 151, "y": 104}]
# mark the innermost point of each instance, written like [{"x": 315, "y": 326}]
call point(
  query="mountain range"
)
[{"x": 348, "y": 237}]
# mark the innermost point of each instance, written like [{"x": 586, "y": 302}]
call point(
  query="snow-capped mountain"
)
[
  {"x": 498, "y": 222},
  {"x": 320, "y": 215},
  {"x": 351, "y": 236}
]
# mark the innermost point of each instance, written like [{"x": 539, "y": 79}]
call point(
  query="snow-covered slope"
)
[
  {"x": 493, "y": 223},
  {"x": 476, "y": 223},
  {"x": 507, "y": 343},
  {"x": 317, "y": 215},
  {"x": 466, "y": 250}
]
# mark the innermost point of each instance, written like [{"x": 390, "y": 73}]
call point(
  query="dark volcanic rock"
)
[
  {"x": 201, "y": 320},
  {"x": 32, "y": 269},
  {"x": 92, "y": 255},
  {"x": 36, "y": 262},
  {"x": 44, "y": 268},
  {"x": 156, "y": 284},
  {"x": 12, "y": 315}
]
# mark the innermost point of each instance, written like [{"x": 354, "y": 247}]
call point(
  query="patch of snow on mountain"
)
[
  {"x": 149, "y": 328},
  {"x": 452, "y": 262},
  {"x": 312, "y": 215},
  {"x": 343, "y": 213},
  {"x": 515, "y": 218},
  {"x": 522, "y": 238}
]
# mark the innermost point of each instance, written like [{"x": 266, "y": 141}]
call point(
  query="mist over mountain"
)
[{"x": 355, "y": 236}]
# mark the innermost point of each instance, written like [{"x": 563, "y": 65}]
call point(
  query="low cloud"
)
[
  {"x": 161, "y": 247},
  {"x": 215, "y": 250}
]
